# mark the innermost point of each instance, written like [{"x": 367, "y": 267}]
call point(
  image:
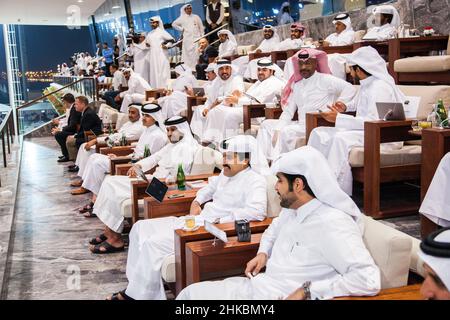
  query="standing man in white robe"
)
[
  {"x": 224, "y": 85},
  {"x": 152, "y": 240},
  {"x": 139, "y": 52},
  {"x": 228, "y": 44},
  {"x": 131, "y": 130},
  {"x": 377, "y": 85},
  {"x": 435, "y": 254},
  {"x": 175, "y": 100},
  {"x": 191, "y": 27},
  {"x": 153, "y": 137},
  {"x": 136, "y": 89},
  {"x": 386, "y": 21},
  {"x": 116, "y": 189},
  {"x": 224, "y": 120},
  {"x": 284, "y": 14},
  {"x": 296, "y": 39},
  {"x": 158, "y": 58},
  {"x": 313, "y": 250},
  {"x": 436, "y": 204},
  {"x": 311, "y": 88}
]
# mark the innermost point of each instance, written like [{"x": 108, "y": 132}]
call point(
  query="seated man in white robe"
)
[
  {"x": 228, "y": 44},
  {"x": 153, "y": 138},
  {"x": 377, "y": 85},
  {"x": 436, "y": 204},
  {"x": 435, "y": 254},
  {"x": 386, "y": 21},
  {"x": 116, "y": 189},
  {"x": 313, "y": 250},
  {"x": 136, "y": 89},
  {"x": 270, "y": 43},
  {"x": 175, "y": 100},
  {"x": 296, "y": 39},
  {"x": 131, "y": 130},
  {"x": 224, "y": 120},
  {"x": 222, "y": 86},
  {"x": 152, "y": 240},
  {"x": 310, "y": 89}
]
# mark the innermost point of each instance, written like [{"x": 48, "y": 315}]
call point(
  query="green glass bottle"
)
[
  {"x": 146, "y": 151},
  {"x": 111, "y": 131},
  {"x": 181, "y": 178},
  {"x": 123, "y": 140},
  {"x": 441, "y": 113}
]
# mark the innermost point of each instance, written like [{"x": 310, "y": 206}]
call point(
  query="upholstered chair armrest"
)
[
  {"x": 121, "y": 169},
  {"x": 118, "y": 151},
  {"x": 252, "y": 111},
  {"x": 191, "y": 102},
  {"x": 117, "y": 161}
]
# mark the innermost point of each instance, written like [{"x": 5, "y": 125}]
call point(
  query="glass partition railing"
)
[{"x": 41, "y": 111}]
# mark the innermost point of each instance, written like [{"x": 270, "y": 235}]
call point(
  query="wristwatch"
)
[{"x": 306, "y": 289}]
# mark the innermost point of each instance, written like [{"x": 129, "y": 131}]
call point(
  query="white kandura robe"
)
[
  {"x": 141, "y": 62},
  {"x": 135, "y": 93},
  {"x": 314, "y": 243},
  {"x": 131, "y": 130},
  {"x": 116, "y": 189},
  {"x": 218, "y": 89},
  {"x": 308, "y": 95},
  {"x": 436, "y": 204},
  {"x": 335, "y": 143},
  {"x": 289, "y": 44},
  {"x": 337, "y": 61},
  {"x": 227, "y": 48},
  {"x": 192, "y": 28},
  {"x": 384, "y": 32},
  {"x": 99, "y": 165},
  {"x": 152, "y": 240},
  {"x": 224, "y": 122},
  {"x": 158, "y": 58},
  {"x": 176, "y": 102}
]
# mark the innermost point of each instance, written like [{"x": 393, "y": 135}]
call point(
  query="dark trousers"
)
[
  {"x": 106, "y": 69},
  {"x": 200, "y": 70},
  {"x": 213, "y": 36},
  {"x": 61, "y": 138},
  {"x": 109, "y": 98}
]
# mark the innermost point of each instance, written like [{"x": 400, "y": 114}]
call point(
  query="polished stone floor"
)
[{"x": 49, "y": 258}]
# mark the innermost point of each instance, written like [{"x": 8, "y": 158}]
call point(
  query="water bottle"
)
[{"x": 181, "y": 178}]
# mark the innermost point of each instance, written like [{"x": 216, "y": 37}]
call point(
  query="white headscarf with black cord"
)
[{"x": 155, "y": 111}]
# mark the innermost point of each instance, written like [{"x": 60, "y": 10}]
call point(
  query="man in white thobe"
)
[
  {"x": 435, "y": 254},
  {"x": 158, "y": 58},
  {"x": 116, "y": 189},
  {"x": 310, "y": 89},
  {"x": 175, "y": 100},
  {"x": 284, "y": 14},
  {"x": 313, "y": 250},
  {"x": 436, "y": 204},
  {"x": 296, "y": 39},
  {"x": 153, "y": 137},
  {"x": 386, "y": 21},
  {"x": 228, "y": 44},
  {"x": 152, "y": 240},
  {"x": 224, "y": 85},
  {"x": 224, "y": 120},
  {"x": 139, "y": 52},
  {"x": 377, "y": 85},
  {"x": 191, "y": 27},
  {"x": 136, "y": 89},
  {"x": 131, "y": 130},
  {"x": 343, "y": 36}
]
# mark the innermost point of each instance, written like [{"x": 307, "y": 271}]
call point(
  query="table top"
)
[
  {"x": 206, "y": 247},
  {"x": 411, "y": 292}
]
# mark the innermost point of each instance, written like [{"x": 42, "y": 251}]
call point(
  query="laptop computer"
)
[
  {"x": 389, "y": 111},
  {"x": 199, "y": 92}
]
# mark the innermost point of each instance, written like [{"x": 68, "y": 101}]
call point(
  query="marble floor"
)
[{"x": 49, "y": 258}]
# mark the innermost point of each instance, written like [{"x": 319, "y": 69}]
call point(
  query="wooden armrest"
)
[
  {"x": 252, "y": 111},
  {"x": 273, "y": 113},
  {"x": 118, "y": 151},
  {"x": 200, "y": 176},
  {"x": 191, "y": 102},
  {"x": 314, "y": 120},
  {"x": 169, "y": 207},
  {"x": 411, "y": 292},
  {"x": 137, "y": 192},
  {"x": 121, "y": 169},
  {"x": 116, "y": 161},
  {"x": 182, "y": 237},
  {"x": 389, "y": 131},
  {"x": 154, "y": 93}
]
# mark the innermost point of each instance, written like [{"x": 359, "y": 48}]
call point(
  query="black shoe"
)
[
  {"x": 64, "y": 159},
  {"x": 60, "y": 157},
  {"x": 72, "y": 166},
  {"x": 74, "y": 169}
]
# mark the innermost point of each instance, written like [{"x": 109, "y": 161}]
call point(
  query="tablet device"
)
[
  {"x": 157, "y": 189},
  {"x": 390, "y": 111},
  {"x": 140, "y": 174},
  {"x": 199, "y": 92}
]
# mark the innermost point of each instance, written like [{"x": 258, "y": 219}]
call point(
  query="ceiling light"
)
[
  {"x": 116, "y": 7},
  {"x": 80, "y": 1}
]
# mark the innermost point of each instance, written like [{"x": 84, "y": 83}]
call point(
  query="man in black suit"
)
[
  {"x": 89, "y": 122},
  {"x": 207, "y": 55},
  {"x": 73, "y": 121}
]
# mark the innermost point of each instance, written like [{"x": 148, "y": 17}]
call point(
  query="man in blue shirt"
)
[{"x": 108, "y": 54}]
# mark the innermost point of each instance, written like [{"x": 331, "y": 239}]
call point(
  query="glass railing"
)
[{"x": 41, "y": 111}]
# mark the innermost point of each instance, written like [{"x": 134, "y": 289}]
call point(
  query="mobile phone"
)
[{"x": 174, "y": 196}]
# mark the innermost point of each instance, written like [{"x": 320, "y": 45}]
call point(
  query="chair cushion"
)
[
  {"x": 125, "y": 208},
  {"x": 423, "y": 64},
  {"x": 168, "y": 269},
  {"x": 300, "y": 142},
  {"x": 242, "y": 50},
  {"x": 359, "y": 35},
  {"x": 429, "y": 95},
  {"x": 122, "y": 118},
  {"x": 406, "y": 155},
  {"x": 273, "y": 200},
  {"x": 205, "y": 160},
  {"x": 391, "y": 251}
]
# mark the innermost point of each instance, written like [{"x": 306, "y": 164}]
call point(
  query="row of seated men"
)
[{"x": 308, "y": 206}]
